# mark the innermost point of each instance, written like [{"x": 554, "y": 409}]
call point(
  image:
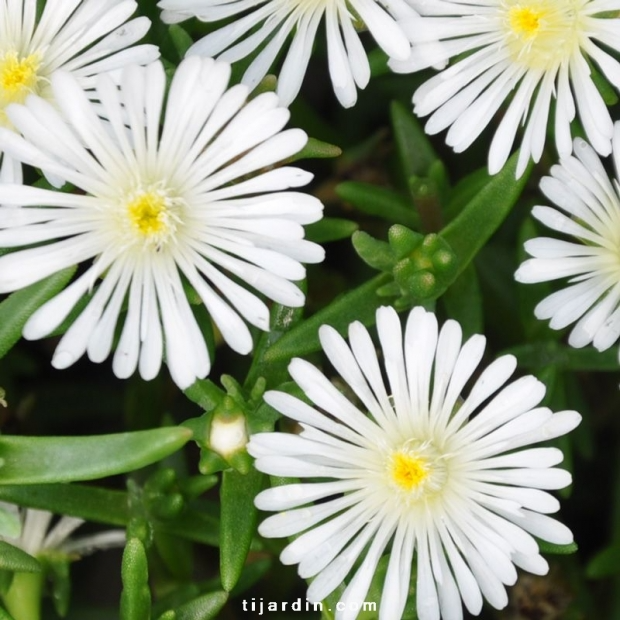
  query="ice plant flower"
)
[
  {"x": 37, "y": 538},
  {"x": 421, "y": 465},
  {"x": 540, "y": 49},
  {"x": 157, "y": 211},
  {"x": 53, "y": 545},
  {"x": 588, "y": 211},
  {"x": 271, "y": 23},
  {"x": 84, "y": 37}
]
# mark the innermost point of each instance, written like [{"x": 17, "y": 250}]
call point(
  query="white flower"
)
[
  {"x": 83, "y": 37},
  {"x": 274, "y": 20},
  {"x": 158, "y": 211},
  {"x": 589, "y": 212},
  {"x": 425, "y": 470},
  {"x": 37, "y": 538},
  {"x": 538, "y": 48}
]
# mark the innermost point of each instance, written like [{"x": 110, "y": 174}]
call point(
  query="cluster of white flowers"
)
[{"x": 188, "y": 189}]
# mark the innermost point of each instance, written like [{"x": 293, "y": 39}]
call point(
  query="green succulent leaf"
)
[
  {"x": 10, "y": 523},
  {"x": 205, "y": 394},
  {"x": 375, "y": 253},
  {"x": 181, "y": 40},
  {"x": 86, "y": 502},
  {"x": 415, "y": 152},
  {"x": 484, "y": 213},
  {"x": 58, "y": 571},
  {"x": 33, "y": 460},
  {"x": 238, "y": 522},
  {"x": 380, "y": 202},
  {"x": 330, "y": 229},
  {"x": 17, "y": 308},
  {"x": 551, "y": 353},
  {"x": 5, "y": 615},
  {"x": 553, "y": 549},
  {"x": 204, "y": 607},
  {"x": 136, "y": 596},
  {"x": 605, "y": 563},
  {"x": 359, "y": 304},
  {"x": 316, "y": 149},
  {"x": 463, "y": 302},
  {"x": 15, "y": 560}
]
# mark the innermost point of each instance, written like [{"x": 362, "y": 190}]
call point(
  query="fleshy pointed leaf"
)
[
  {"x": 380, "y": 202},
  {"x": 483, "y": 215},
  {"x": 330, "y": 229},
  {"x": 34, "y": 460},
  {"x": 15, "y": 560},
  {"x": 136, "y": 596},
  {"x": 238, "y": 522},
  {"x": 203, "y": 608},
  {"x": 414, "y": 148},
  {"x": 17, "y": 308}
]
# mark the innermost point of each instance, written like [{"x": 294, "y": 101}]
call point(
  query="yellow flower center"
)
[
  {"x": 541, "y": 34},
  {"x": 150, "y": 217},
  {"x": 417, "y": 471},
  {"x": 147, "y": 213},
  {"x": 408, "y": 471},
  {"x": 18, "y": 79},
  {"x": 524, "y": 20}
]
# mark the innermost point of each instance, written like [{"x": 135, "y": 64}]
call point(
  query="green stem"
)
[{"x": 23, "y": 599}]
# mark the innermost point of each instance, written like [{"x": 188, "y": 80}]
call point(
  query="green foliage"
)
[
  {"x": 380, "y": 202},
  {"x": 316, "y": 149},
  {"x": 604, "y": 564},
  {"x": 415, "y": 151},
  {"x": 360, "y": 304},
  {"x": 33, "y": 460},
  {"x": 468, "y": 232},
  {"x": 203, "y": 608},
  {"x": 330, "y": 229},
  {"x": 238, "y": 519},
  {"x": 17, "y": 308},
  {"x": 15, "y": 560},
  {"x": 136, "y": 596}
]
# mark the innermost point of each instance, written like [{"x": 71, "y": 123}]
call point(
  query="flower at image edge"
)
[
  {"x": 83, "y": 37},
  {"x": 451, "y": 478},
  {"x": 37, "y": 537},
  {"x": 540, "y": 49},
  {"x": 158, "y": 209},
  {"x": 588, "y": 212},
  {"x": 268, "y": 24}
]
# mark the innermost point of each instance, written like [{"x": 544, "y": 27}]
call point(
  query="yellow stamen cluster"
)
[
  {"x": 147, "y": 213},
  {"x": 18, "y": 76},
  {"x": 524, "y": 20},
  {"x": 18, "y": 79},
  {"x": 150, "y": 217},
  {"x": 408, "y": 471},
  {"x": 542, "y": 34}
]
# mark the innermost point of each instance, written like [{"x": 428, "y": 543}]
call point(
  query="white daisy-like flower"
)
[
  {"x": 83, "y": 37},
  {"x": 157, "y": 211},
  {"x": 427, "y": 469},
  {"x": 268, "y": 24},
  {"x": 540, "y": 49},
  {"x": 588, "y": 211},
  {"x": 37, "y": 538}
]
